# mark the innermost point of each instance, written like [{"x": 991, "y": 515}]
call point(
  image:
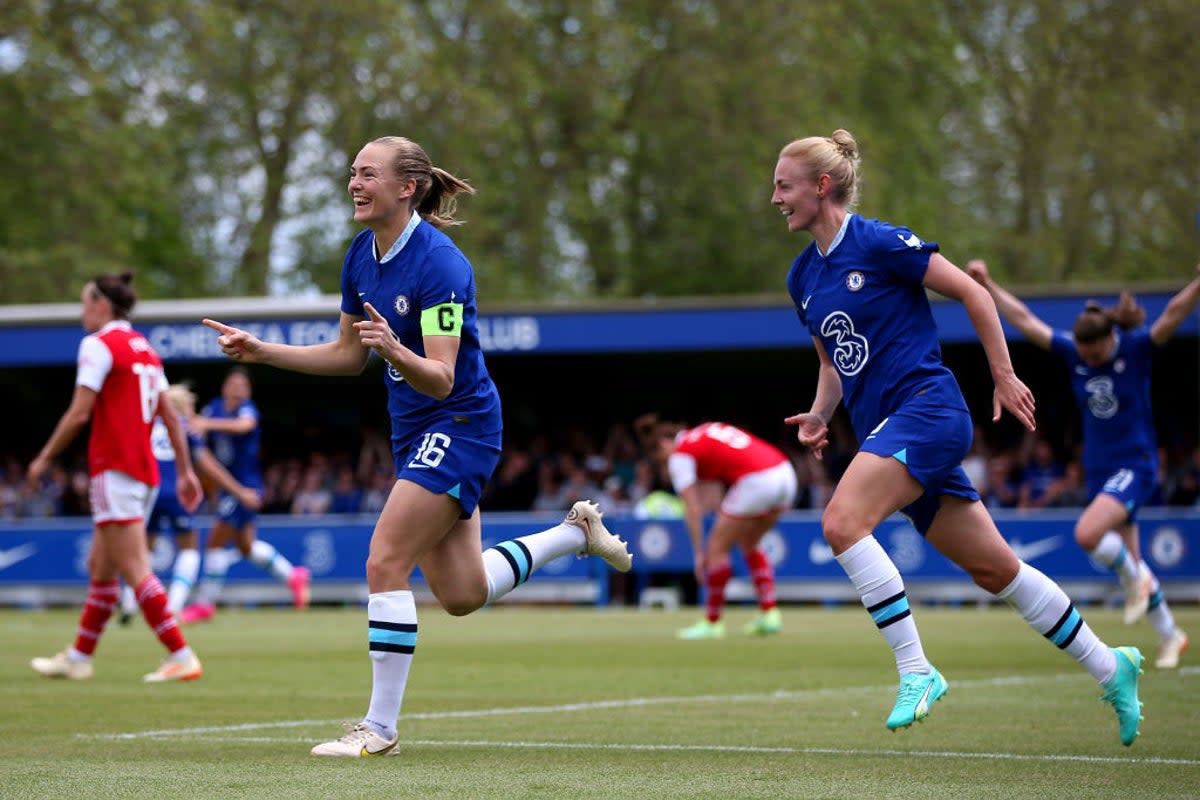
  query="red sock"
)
[
  {"x": 763, "y": 576},
  {"x": 153, "y": 600},
  {"x": 97, "y": 609},
  {"x": 714, "y": 584}
]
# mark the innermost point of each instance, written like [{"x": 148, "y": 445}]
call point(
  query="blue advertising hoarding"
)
[{"x": 41, "y": 556}]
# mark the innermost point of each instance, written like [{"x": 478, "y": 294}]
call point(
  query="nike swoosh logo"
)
[
  {"x": 1035, "y": 549},
  {"x": 16, "y": 555},
  {"x": 923, "y": 703},
  {"x": 819, "y": 552},
  {"x": 804, "y": 303}
]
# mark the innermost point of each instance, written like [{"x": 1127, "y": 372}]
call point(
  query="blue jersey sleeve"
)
[
  {"x": 1062, "y": 344},
  {"x": 449, "y": 279},
  {"x": 902, "y": 252},
  {"x": 352, "y": 303}
]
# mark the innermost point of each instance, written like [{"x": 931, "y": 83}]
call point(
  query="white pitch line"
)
[
  {"x": 634, "y": 702},
  {"x": 721, "y": 748}
]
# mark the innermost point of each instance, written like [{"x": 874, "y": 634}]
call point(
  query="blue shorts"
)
[
  {"x": 1132, "y": 487},
  {"x": 233, "y": 513},
  {"x": 931, "y": 441},
  {"x": 447, "y": 461},
  {"x": 169, "y": 516}
]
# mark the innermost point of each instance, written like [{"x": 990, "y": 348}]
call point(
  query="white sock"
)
[
  {"x": 217, "y": 562},
  {"x": 392, "y": 623},
  {"x": 129, "y": 603},
  {"x": 1049, "y": 611},
  {"x": 1113, "y": 554},
  {"x": 509, "y": 564},
  {"x": 265, "y": 556},
  {"x": 881, "y": 588},
  {"x": 1158, "y": 612},
  {"x": 183, "y": 578}
]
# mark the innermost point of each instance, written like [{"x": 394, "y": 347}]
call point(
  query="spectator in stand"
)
[
  {"x": 1183, "y": 488},
  {"x": 1041, "y": 471},
  {"x": 1001, "y": 489},
  {"x": 313, "y": 498},
  {"x": 514, "y": 486},
  {"x": 552, "y": 494},
  {"x": 1069, "y": 491},
  {"x": 347, "y": 494}
]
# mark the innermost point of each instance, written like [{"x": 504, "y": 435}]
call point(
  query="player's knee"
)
[
  {"x": 1087, "y": 536},
  {"x": 460, "y": 607},
  {"x": 840, "y": 528}
]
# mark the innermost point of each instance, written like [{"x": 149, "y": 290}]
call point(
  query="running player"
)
[
  {"x": 760, "y": 484},
  {"x": 408, "y": 296},
  {"x": 169, "y": 515},
  {"x": 231, "y": 425},
  {"x": 859, "y": 288},
  {"x": 1108, "y": 356},
  {"x": 118, "y": 382}
]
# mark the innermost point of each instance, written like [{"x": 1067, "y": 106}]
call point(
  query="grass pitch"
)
[{"x": 583, "y": 703}]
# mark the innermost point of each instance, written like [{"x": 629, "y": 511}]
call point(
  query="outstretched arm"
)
[
  {"x": 1013, "y": 310},
  {"x": 1177, "y": 310},
  {"x": 345, "y": 356}
]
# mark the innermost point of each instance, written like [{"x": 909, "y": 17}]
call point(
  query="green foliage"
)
[{"x": 619, "y": 149}]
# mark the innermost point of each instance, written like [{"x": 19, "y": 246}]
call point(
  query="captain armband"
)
[{"x": 442, "y": 320}]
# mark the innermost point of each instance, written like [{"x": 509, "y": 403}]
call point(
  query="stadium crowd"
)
[{"x": 549, "y": 472}]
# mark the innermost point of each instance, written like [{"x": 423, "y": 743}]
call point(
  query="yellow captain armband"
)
[{"x": 443, "y": 320}]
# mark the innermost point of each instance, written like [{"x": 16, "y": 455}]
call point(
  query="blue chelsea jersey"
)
[
  {"x": 164, "y": 453},
  {"x": 864, "y": 301},
  {"x": 427, "y": 287},
  {"x": 1114, "y": 401},
  {"x": 238, "y": 454}
]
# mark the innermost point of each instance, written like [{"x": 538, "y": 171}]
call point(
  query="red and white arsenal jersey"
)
[
  {"x": 122, "y": 368},
  {"x": 715, "y": 451}
]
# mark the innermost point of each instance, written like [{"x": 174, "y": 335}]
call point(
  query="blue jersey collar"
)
[
  {"x": 403, "y": 240},
  {"x": 841, "y": 234}
]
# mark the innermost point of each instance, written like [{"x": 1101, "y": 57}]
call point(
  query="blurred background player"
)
[
  {"x": 1108, "y": 356},
  {"x": 169, "y": 514},
  {"x": 759, "y": 483},
  {"x": 231, "y": 424},
  {"x": 118, "y": 383}
]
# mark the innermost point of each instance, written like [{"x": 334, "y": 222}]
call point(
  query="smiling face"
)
[
  {"x": 379, "y": 196},
  {"x": 795, "y": 194}
]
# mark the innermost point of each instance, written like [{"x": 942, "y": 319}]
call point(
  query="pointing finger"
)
[
  {"x": 375, "y": 315},
  {"x": 219, "y": 327}
]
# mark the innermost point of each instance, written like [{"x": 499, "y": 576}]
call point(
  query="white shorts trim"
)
[
  {"x": 118, "y": 498},
  {"x": 763, "y": 492}
]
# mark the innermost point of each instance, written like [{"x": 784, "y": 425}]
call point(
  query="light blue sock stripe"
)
[
  {"x": 1156, "y": 599},
  {"x": 379, "y": 636},
  {"x": 890, "y": 610},
  {"x": 1120, "y": 560},
  {"x": 1066, "y": 629},
  {"x": 523, "y": 563}
]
